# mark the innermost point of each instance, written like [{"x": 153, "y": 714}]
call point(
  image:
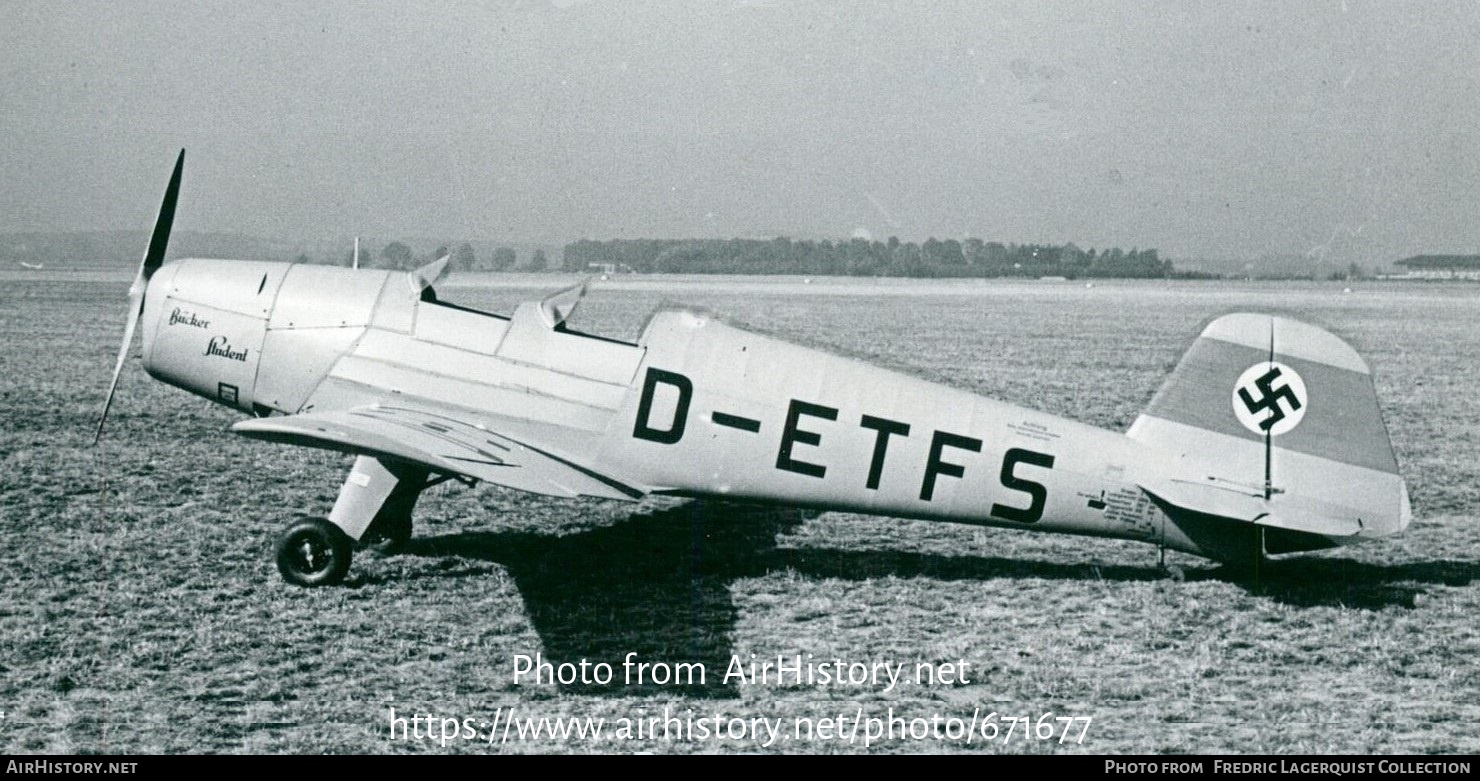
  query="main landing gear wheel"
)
[
  {"x": 388, "y": 535},
  {"x": 314, "y": 552}
]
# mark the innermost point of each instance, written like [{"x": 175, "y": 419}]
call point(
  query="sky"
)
[{"x": 1343, "y": 131}]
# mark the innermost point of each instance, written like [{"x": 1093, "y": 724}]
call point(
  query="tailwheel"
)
[{"x": 314, "y": 552}]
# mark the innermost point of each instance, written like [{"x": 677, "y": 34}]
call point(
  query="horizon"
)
[{"x": 423, "y": 246}]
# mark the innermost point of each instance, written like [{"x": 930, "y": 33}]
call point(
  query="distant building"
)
[
  {"x": 608, "y": 268},
  {"x": 1441, "y": 267}
]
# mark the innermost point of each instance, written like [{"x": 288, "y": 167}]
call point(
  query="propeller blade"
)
[
  {"x": 153, "y": 258},
  {"x": 136, "y": 305}
]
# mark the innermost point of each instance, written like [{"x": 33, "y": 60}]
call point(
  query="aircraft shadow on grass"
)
[
  {"x": 657, "y": 584},
  {"x": 1336, "y": 582}
]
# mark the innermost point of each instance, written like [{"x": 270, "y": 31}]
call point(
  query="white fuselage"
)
[{"x": 696, "y": 407}]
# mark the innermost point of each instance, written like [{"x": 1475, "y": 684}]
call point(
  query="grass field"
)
[{"x": 141, "y": 611}]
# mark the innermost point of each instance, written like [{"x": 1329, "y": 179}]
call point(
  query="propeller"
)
[{"x": 153, "y": 259}]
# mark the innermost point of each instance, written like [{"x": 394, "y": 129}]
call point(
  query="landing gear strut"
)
[
  {"x": 388, "y": 533},
  {"x": 373, "y": 509},
  {"x": 391, "y": 528}
]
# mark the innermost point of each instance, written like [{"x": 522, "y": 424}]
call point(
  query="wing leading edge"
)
[{"x": 442, "y": 444}]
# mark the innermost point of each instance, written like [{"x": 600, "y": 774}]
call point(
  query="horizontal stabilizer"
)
[
  {"x": 1326, "y": 526},
  {"x": 1239, "y": 503},
  {"x": 443, "y": 445}
]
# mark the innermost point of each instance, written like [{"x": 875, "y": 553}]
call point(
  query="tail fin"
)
[{"x": 1276, "y": 422}]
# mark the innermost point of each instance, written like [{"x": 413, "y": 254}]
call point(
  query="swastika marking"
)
[{"x": 1270, "y": 398}]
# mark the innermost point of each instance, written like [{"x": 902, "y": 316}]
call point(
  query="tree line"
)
[
  {"x": 398, "y": 255},
  {"x": 861, "y": 257},
  {"x": 855, "y": 257}
]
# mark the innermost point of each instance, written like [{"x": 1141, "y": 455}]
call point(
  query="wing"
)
[{"x": 442, "y": 444}]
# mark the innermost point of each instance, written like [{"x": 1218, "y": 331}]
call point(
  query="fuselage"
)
[
  {"x": 719, "y": 410},
  {"x": 696, "y": 407}
]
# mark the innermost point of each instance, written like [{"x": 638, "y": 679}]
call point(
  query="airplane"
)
[
  {"x": 32, "y": 266},
  {"x": 1266, "y": 439}
]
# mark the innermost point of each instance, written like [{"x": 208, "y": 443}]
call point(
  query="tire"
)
[
  {"x": 387, "y": 535},
  {"x": 314, "y": 552}
]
